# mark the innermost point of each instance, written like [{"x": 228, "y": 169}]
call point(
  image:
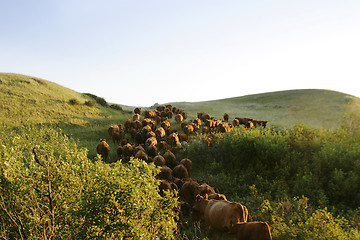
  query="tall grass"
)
[{"x": 30, "y": 100}]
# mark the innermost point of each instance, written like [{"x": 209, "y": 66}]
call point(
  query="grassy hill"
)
[
  {"x": 262, "y": 169},
  {"x": 25, "y": 99},
  {"x": 30, "y": 100},
  {"x": 317, "y": 108}
]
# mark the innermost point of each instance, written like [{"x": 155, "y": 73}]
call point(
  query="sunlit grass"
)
[
  {"x": 317, "y": 108},
  {"x": 25, "y": 99}
]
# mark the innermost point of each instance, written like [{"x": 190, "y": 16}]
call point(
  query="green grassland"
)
[
  {"x": 289, "y": 175},
  {"x": 316, "y": 108},
  {"x": 26, "y": 99},
  {"x": 30, "y": 100}
]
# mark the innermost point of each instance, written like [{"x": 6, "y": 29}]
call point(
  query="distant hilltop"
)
[{"x": 34, "y": 100}]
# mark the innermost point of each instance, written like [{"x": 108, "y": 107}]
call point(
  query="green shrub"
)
[
  {"x": 123, "y": 202},
  {"x": 90, "y": 103},
  {"x": 39, "y": 193},
  {"x": 322, "y": 165},
  {"x": 116, "y": 107},
  {"x": 322, "y": 225},
  {"x": 74, "y": 101},
  {"x": 99, "y": 100},
  {"x": 55, "y": 191}
]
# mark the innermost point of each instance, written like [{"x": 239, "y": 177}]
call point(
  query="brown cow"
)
[
  {"x": 188, "y": 129},
  {"x": 179, "y": 118},
  {"x": 220, "y": 215},
  {"x": 187, "y": 163},
  {"x": 116, "y": 133},
  {"x": 138, "y": 148},
  {"x": 217, "y": 196},
  {"x": 243, "y": 121},
  {"x": 159, "y": 160},
  {"x": 249, "y": 124},
  {"x": 166, "y": 125},
  {"x": 203, "y": 116},
  {"x": 169, "y": 114},
  {"x": 160, "y": 132},
  {"x": 260, "y": 123},
  {"x": 173, "y": 139},
  {"x": 151, "y": 141},
  {"x": 189, "y": 190},
  {"x": 183, "y": 137},
  {"x": 205, "y": 129},
  {"x": 152, "y": 151},
  {"x": 137, "y": 110},
  {"x": 224, "y": 127},
  {"x": 151, "y": 114},
  {"x": 184, "y": 114},
  {"x": 236, "y": 122},
  {"x": 136, "y": 117},
  {"x": 197, "y": 121},
  {"x": 226, "y": 117},
  {"x": 160, "y": 108},
  {"x": 252, "y": 231},
  {"x": 103, "y": 149},
  {"x": 162, "y": 145},
  {"x": 165, "y": 173},
  {"x": 151, "y": 134},
  {"x": 204, "y": 189},
  {"x": 170, "y": 159},
  {"x": 141, "y": 155},
  {"x": 149, "y": 122},
  {"x": 136, "y": 124},
  {"x": 164, "y": 186},
  {"x": 180, "y": 172},
  {"x": 128, "y": 123},
  {"x": 127, "y": 150}
]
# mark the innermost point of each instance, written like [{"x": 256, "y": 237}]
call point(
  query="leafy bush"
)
[
  {"x": 99, "y": 100},
  {"x": 116, "y": 107},
  {"x": 50, "y": 189},
  {"x": 39, "y": 192},
  {"x": 123, "y": 202},
  {"x": 90, "y": 103},
  {"x": 321, "y": 166},
  {"x": 74, "y": 101}
]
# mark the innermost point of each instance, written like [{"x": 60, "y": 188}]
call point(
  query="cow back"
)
[{"x": 252, "y": 231}]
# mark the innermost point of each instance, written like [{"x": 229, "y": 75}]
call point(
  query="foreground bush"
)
[
  {"x": 321, "y": 166},
  {"x": 123, "y": 202},
  {"x": 50, "y": 189}
]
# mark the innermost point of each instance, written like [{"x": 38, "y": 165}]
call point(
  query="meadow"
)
[{"x": 301, "y": 174}]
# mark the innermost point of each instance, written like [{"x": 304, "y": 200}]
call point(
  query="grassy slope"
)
[
  {"x": 28, "y": 99},
  {"x": 317, "y": 108},
  {"x": 25, "y": 99}
]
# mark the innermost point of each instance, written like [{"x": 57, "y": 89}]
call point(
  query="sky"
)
[{"x": 139, "y": 53}]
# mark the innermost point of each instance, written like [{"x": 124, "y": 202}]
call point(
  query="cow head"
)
[{"x": 199, "y": 207}]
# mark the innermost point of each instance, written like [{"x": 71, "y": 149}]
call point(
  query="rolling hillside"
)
[
  {"x": 317, "y": 108},
  {"x": 25, "y": 99}
]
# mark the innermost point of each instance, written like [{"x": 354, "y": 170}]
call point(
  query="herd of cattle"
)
[{"x": 154, "y": 140}]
